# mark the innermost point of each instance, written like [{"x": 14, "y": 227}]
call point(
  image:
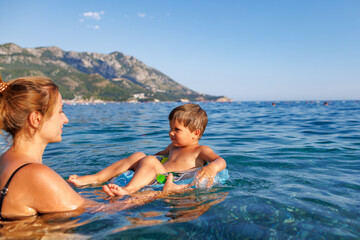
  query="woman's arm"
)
[
  {"x": 45, "y": 191},
  {"x": 48, "y": 192}
]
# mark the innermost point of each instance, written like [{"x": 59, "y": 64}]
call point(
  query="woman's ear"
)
[{"x": 35, "y": 119}]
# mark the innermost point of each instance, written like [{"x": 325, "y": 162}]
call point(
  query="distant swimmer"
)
[{"x": 326, "y": 104}]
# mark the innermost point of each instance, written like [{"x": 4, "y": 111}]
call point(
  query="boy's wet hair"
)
[{"x": 191, "y": 115}]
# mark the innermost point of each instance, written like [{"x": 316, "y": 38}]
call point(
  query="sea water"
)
[{"x": 294, "y": 173}]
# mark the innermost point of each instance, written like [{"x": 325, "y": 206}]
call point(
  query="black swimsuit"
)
[{"x": 5, "y": 189}]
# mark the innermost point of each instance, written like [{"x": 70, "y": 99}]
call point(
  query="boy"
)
[{"x": 187, "y": 124}]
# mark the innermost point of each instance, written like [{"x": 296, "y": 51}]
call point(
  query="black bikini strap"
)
[{"x": 5, "y": 189}]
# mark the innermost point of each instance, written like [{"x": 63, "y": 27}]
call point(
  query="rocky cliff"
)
[{"x": 113, "y": 76}]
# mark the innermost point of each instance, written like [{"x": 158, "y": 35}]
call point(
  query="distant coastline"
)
[
  {"x": 225, "y": 100},
  {"x": 92, "y": 101}
]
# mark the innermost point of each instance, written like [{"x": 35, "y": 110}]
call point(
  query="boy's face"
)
[{"x": 181, "y": 136}]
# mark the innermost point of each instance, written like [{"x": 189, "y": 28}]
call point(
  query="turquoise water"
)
[{"x": 294, "y": 173}]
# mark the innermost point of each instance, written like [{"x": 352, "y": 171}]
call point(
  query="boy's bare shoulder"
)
[
  {"x": 204, "y": 148},
  {"x": 207, "y": 154},
  {"x": 166, "y": 151}
]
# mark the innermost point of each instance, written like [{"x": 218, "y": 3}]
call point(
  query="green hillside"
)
[{"x": 110, "y": 77}]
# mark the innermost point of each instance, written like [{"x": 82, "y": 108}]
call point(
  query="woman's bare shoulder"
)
[
  {"x": 37, "y": 172},
  {"x": 48, "y": 191},
  {"x": 40, "y": 169}
]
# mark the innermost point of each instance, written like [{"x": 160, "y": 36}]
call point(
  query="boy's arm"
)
[
  {"x": 216, "y": 164},
  {"x": 164, "y": 152}
]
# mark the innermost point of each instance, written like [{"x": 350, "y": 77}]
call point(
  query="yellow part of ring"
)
[{"x": 164, "y": 160}]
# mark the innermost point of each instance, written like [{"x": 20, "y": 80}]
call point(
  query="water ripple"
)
[{"x": 294, "y": 171}]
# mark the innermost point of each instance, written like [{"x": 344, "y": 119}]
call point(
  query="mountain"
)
[{"x": 112, "y": 77}]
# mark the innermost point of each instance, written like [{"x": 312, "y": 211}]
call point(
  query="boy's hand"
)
[{"x": 206, "y": 173}]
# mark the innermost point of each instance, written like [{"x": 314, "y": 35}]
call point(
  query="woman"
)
[{"x": 31, "y": 113}]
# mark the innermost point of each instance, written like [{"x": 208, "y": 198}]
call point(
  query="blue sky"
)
[{"x": 246, "y": 50}]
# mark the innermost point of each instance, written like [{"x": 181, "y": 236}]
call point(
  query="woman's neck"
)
[{"x": 28, "y": 149}]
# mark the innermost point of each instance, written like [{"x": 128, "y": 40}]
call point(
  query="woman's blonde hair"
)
[{"x": 22, "y": 96}]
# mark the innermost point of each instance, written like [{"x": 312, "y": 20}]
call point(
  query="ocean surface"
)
[{"x": 294, "y": 174}]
